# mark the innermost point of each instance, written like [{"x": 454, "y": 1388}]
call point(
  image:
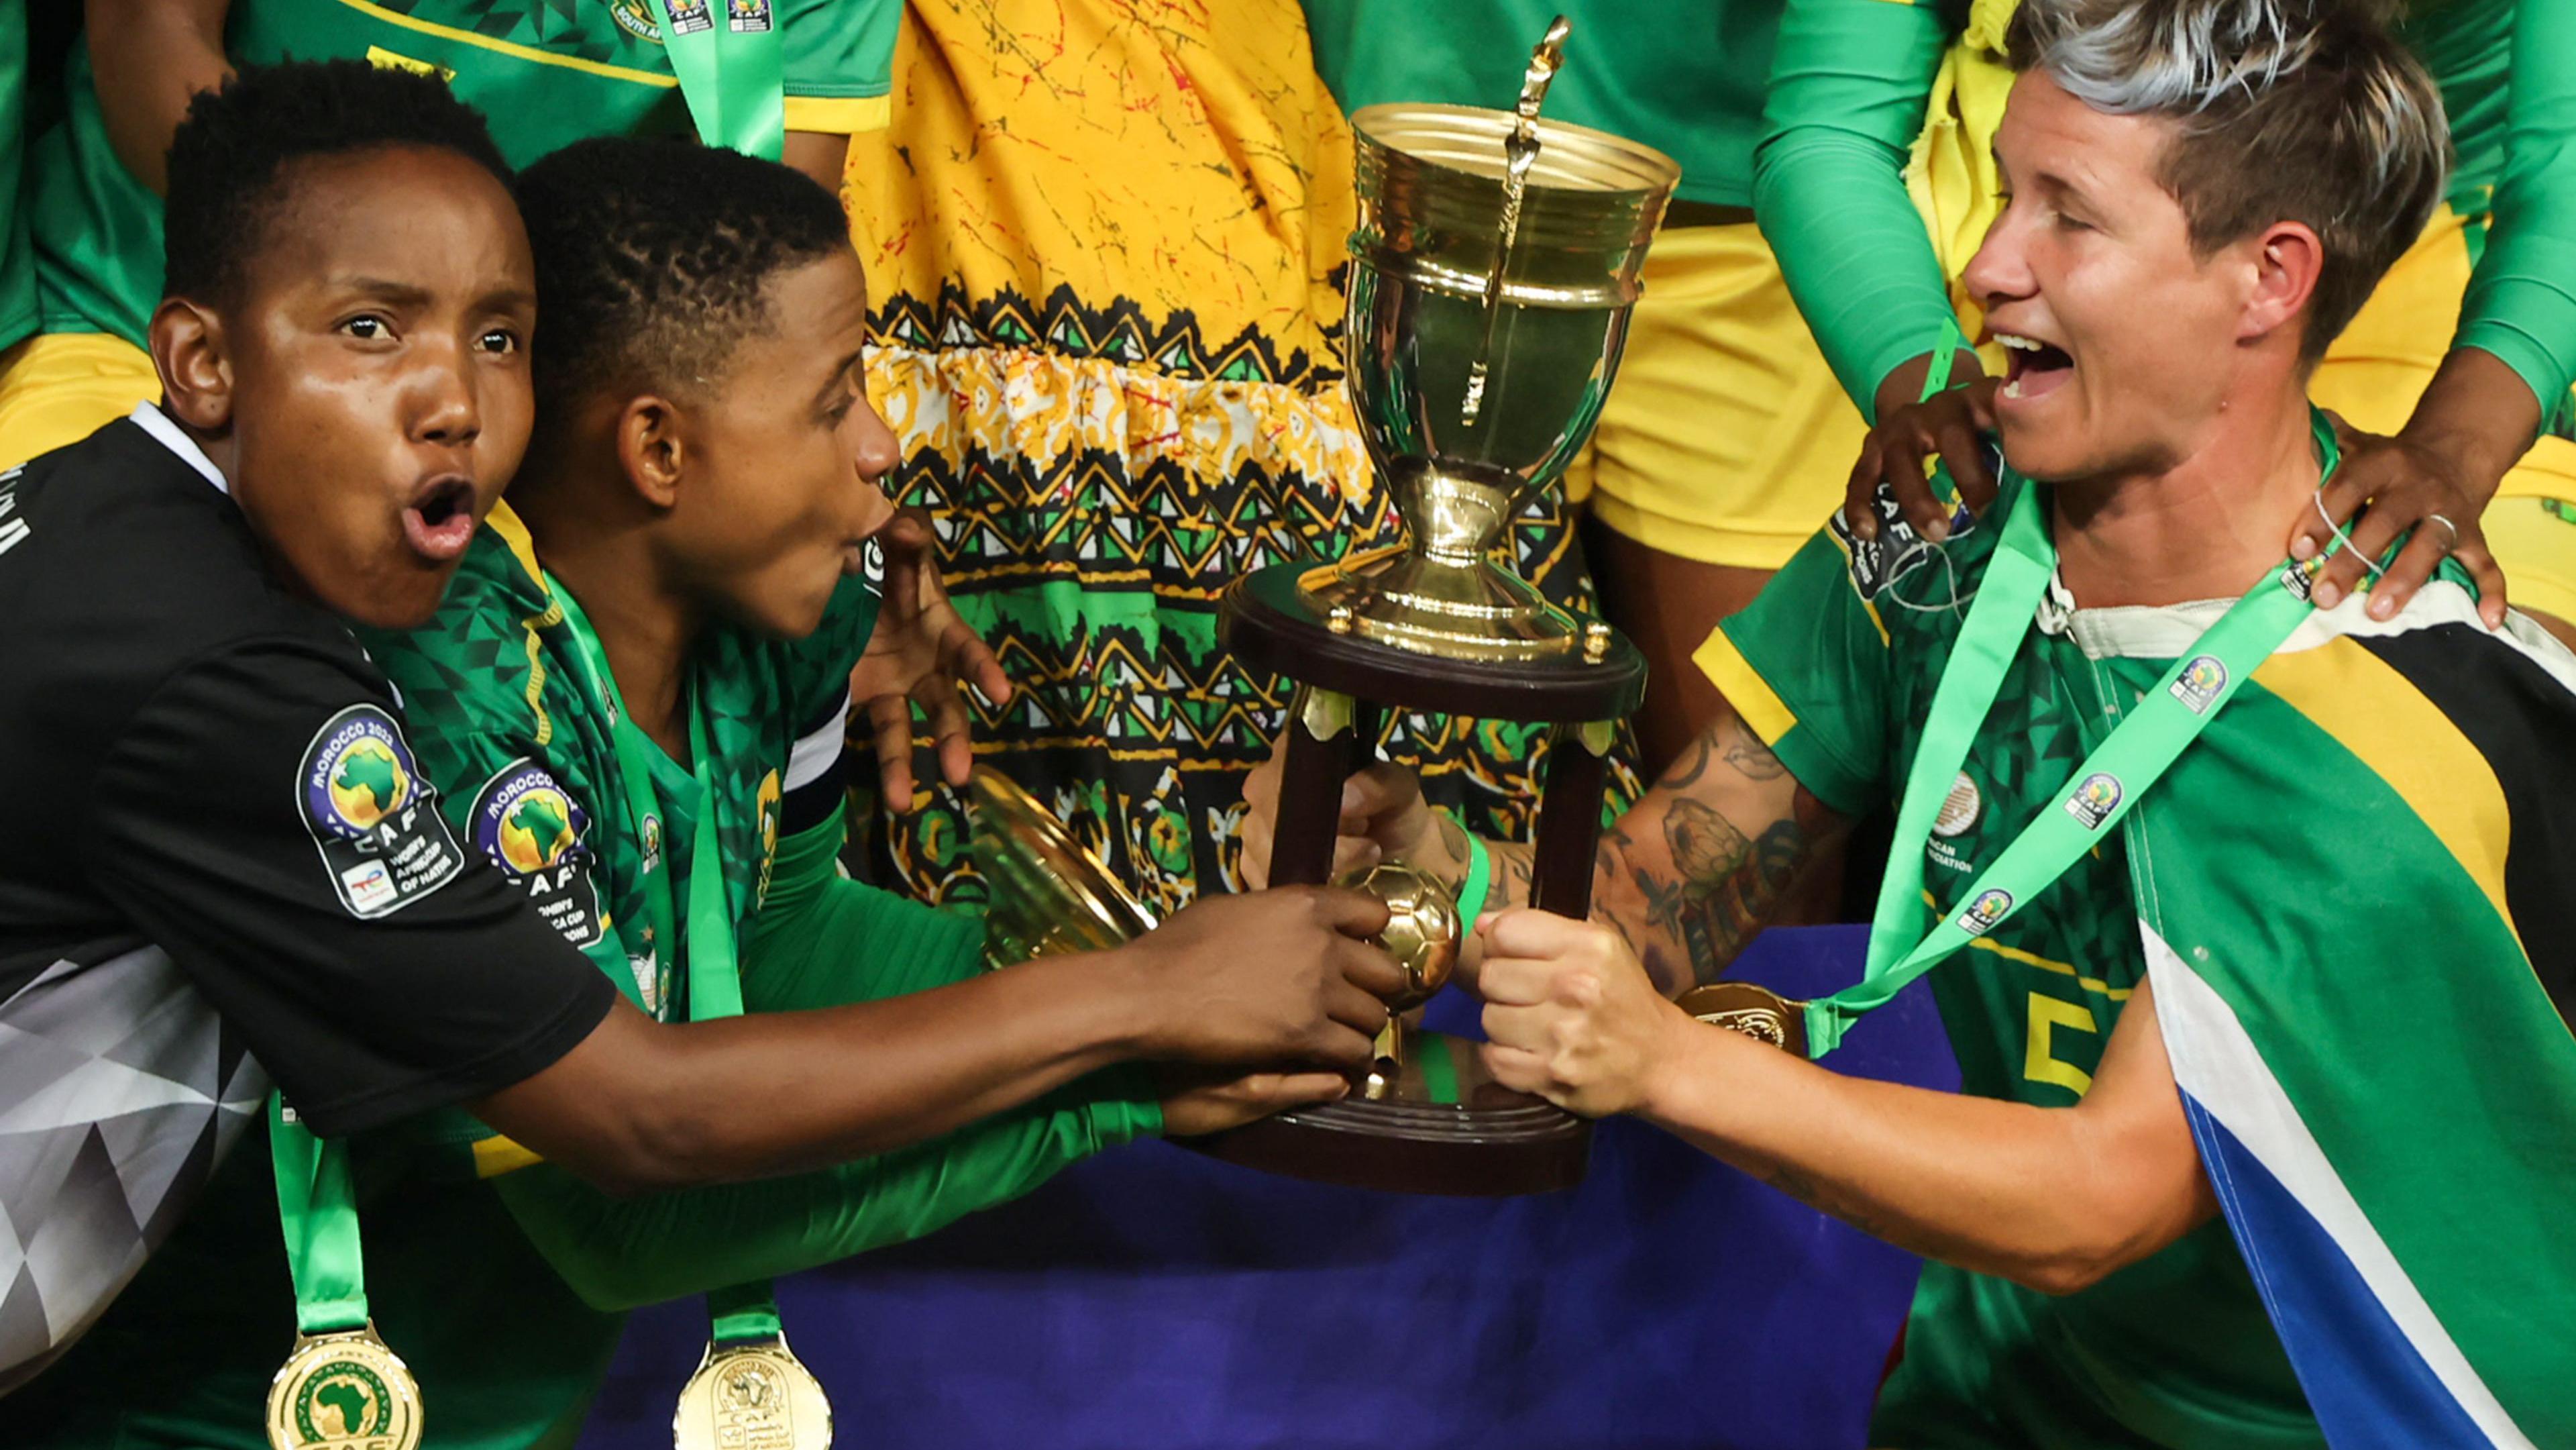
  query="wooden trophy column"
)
[{"x": 1445, "y": 1127}]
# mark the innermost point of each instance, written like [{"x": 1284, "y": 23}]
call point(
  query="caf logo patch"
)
[
  {"x": 2095, "y": 800},
  {"x": 747, "y": 17},
  {"x": 534, "y": 830},
  {"x": 372, "y": 816},
  {"x": 688, "y": 17},
  {"x": 2200, "y": 682},
  {"x": 1959, "y": 809},
  {"x": 2301, "y": 579},
  {"x": 1985, "y": 911},
  {"x": 651, "y": 831}
]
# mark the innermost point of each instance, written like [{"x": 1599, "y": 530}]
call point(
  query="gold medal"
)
[
  {"x": 753, "y": 1395},
  {"x": 343, "y": 1391}
]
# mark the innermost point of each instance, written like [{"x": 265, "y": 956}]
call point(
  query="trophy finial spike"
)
[{"x": 1520, "y": 152}]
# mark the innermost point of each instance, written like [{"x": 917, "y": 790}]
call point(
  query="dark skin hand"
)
[
  {"x": 921, "y": 653},
  {"x": 2471, "y": 425},
  {"x": 642, "y": 1105}
]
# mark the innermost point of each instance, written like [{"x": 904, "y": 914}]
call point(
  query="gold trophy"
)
[{"x": 1493, "y": 271}]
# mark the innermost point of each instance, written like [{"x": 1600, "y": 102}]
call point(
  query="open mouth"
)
[
  {"x": 2033, "y": 368},
  {"x": 440, "y": 522}
]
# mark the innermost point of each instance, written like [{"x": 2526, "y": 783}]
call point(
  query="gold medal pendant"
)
[
  {"x": 752, "y": 1395},
  {"x": 343, "y": 1391}
]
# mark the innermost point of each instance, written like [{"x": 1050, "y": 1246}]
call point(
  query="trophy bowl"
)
[{"x": 1490, "y": 290}]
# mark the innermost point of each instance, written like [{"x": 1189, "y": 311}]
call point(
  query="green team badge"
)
[
  {"x": 343, "y": 1391},
  {"x": 635, "y": 17}
]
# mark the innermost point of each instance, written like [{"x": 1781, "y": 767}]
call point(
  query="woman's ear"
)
[
  {"x": 196, "y": 371},
  {"x": 2287, "y": 260},
  {"x": 651, "y": 450}
]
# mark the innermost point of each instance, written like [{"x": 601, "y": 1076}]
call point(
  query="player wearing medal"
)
[
  {"x": 2263, "y": 905},
  {"x": 548, "y": 72},
  {"x": 223, "y": 858},
  {"x": 631, "y": 705},
  {"x": 2464, "y": 352}
]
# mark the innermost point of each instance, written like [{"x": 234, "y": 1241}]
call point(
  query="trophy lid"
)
[{"x": 1047, "y": 893}]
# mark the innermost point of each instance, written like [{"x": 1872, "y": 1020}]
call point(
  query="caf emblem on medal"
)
[
  {"x": 344, "y": 1391},
  {"x": 2095, "y": 799},
  {"x": 755, "y": 1396},
  {"x": 2199, "y": 683},
  {"x": 1985, "y": 911}
]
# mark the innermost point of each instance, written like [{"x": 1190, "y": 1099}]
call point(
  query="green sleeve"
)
[
  {"x": 1805, "y": 666},
  {"x": 2521, "y": 302},
  {"x": 823, "y": 940},
  {"x": 1849, "y": 83},
  {"x": 839, "y": 49}
]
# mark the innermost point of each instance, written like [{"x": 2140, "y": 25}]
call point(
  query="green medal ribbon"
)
[
  {"x": 2113, "y": 777},
  {"x": 319, "y": 1211},
  {"x": 732, "y": 71},
  {"x": 746, "y": 1311}
]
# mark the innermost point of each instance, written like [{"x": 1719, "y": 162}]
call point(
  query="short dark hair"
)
[
  {"x": 654, "y": 257},
  {"x": 230, "y": 158},
  {"x": 2288, "y": 110}
]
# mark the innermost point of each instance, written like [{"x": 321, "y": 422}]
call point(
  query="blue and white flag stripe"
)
[{"x": 2377, "y": 1365}]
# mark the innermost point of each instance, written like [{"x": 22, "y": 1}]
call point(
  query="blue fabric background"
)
[{"x": 1152, "y": 1298}]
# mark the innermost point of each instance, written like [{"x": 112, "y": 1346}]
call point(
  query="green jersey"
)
[
  {"x": 545, "y": 73},
  {"x": 18, "y": 315},
  {"x": 1835, "y": 665},
  {"x": 1849, "y": 88},
  {"x": 1682, "y": 76}
]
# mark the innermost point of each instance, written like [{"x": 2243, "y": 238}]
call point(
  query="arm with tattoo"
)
[
  {"x": 1693, "y": 871},
  {"x": 1689, "y": 875}
]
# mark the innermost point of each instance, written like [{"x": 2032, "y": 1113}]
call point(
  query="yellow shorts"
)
[
  {"x": 61, "y": 387},
  {"x": 1726, "y": 438}
]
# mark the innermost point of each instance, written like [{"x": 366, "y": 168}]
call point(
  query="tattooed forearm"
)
[
  {"x": 1682, "y": 878},
  {"x": 1748, "y": 754}
]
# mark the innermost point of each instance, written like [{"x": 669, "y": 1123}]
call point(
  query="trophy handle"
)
[{"x": 1520, "y": 153}]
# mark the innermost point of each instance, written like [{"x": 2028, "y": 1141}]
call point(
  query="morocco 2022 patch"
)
[
  {"x": 372, "y": 815},
  {"x": 534, "y": 830}
]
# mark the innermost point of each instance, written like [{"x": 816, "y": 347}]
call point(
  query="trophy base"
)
[
  {"x": 1443, "y": 1127},
  {"x": 1272, "y": 621},
  {"x": 1471, "y": 611}
]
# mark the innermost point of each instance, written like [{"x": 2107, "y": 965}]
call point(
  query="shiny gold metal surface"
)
[
  {"x": 344, "y": 1391},
  {"x": 1493, "y": 270},
  {"x": 1424, "y": 935},
  {"x": 1048, "y": 894},
  {"x": 1756, "y": 1012},
  {"x": 754, "y": 1395}
]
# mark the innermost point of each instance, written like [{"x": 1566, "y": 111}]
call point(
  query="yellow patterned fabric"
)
[{"x": 1105, "y": 244}]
